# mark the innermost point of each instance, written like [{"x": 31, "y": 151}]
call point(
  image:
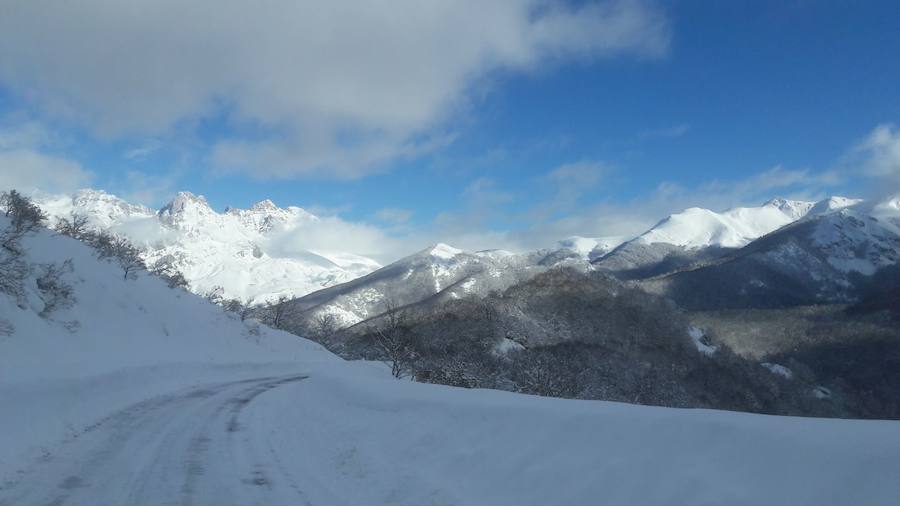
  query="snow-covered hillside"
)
[
  {"x": 859, "y": 237},
  {"x": 165, "y": 335},
  {"x": 155, "y": 396},
  {"x": 439, "y": 272},
  {"x": 231, "y": 250}
]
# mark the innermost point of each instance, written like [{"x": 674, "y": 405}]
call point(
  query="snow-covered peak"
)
[
  {"x": 495, "y": 254},
  {"x": 795, "y": 209},
  {"x": 832, "y": 204},
  {"x": 444, "y": 251},
  {"x": 103, "y": 209},
  {"x": 265, "y": 215},
  {"x": 697, "y": 228},
  {"x": 187, "y": 207},
  {"x": 184, "y": 201},
  {"x": 264, "y": 205}
]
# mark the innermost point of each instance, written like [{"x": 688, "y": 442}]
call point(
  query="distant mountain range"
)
[
  {"x": 230, "y": 250},
  {"x": 783, "y": 252},
  {"x": 697, "y": 234},
  {"x": 823, "y": 257},
  {"x": 433, "y": 275}
]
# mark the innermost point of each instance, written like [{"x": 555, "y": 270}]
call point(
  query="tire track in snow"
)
[{"x": 183, "y": 449}]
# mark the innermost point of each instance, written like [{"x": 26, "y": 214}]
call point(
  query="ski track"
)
[{"x": 184, "y": 449}]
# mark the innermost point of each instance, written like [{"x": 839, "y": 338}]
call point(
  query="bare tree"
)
[
  {"x": 324, "y": 326},
  {"x": 166, "y": 269},
  {"x": 275, "y": 313},
  {"x": 394, "y": 338},
  {"x": 6, "y": 328},
  {"x": 25, "y": 218},
  {"x": 56, "y": 293},
  {"x": 215, "y": 295},
  {"x": 13, "y": 271},
  {"x": 241, "y": 308},
  {"x": 76, "y": 226},
  {"x": 127, "y": 255}
]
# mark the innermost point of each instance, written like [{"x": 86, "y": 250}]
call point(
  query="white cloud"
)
[
  {"x": 332, "y": 234},
  {"x": 147, "y": 189},
  {"x": 26, "y": 166},
  {"x": 337, "y": 87},
  {"x": 143, "y": 151},
  {"x": 879, "y": 154},
  {"x": 28, "y": 170}
]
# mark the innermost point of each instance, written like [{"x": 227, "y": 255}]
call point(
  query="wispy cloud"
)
[
  {"x": 394, "y": 216},
  {"x": 143, "y": 151},
  {"x": 670, "y": 132},
  {"x": 146, "y": 188}
]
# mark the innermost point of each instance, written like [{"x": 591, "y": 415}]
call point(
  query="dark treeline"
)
[{"x": 581, "y": 335}]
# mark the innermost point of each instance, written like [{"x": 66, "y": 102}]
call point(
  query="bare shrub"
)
[
  {"x": 394, "y": 338},
  {"x": 25, "y": 218},
  {"x": 243, "y": 309},
  {"x": 215, "y": 295},
  {"x": 76, "y": 226},
  {"x": 119, "y": 249},
  {"x": 165, "y": 268},
  {"x": 56, "y": 293}
]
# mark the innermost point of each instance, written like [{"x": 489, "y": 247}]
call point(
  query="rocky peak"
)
[
  {"x": 185, "y": 205},
  {"x": 795, "y": 209},
  {"x": 265, "y": 205}
]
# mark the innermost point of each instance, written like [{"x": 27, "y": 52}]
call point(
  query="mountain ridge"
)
[{"x": 212, "y": 249}]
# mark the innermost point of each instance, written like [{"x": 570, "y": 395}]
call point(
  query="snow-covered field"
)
[{"x": 156, "y": 397}]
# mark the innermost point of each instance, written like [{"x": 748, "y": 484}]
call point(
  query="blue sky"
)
[{"x": 503, "y": 126}]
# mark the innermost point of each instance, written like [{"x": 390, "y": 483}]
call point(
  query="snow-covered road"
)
[
  {"x": 181, "y": 449},
  {"x": 343, "y": 434}
]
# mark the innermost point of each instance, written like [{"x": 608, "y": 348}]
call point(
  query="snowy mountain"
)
[
  {"x": 700, "y": 234},
  {"x": 821, "y": 258},
  {"x": 232, "y": 250},
  {"x": 439, "y": 272}
]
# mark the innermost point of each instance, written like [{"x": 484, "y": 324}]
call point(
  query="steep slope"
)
[
  {"x": 822, "y": 258},
  {"x": 109, "y": 342},
  {"x": 700, "y": 234},
  {"x": 110, "y": 322},
  {"x": 232, "y": 250},
  {"x": 437, "y": 273}
]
